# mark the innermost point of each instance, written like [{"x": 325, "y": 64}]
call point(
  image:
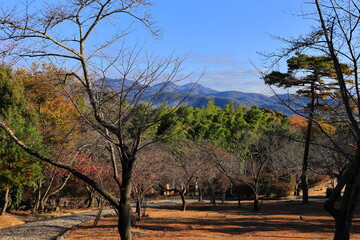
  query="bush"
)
[
  {"x": 282, "y": 189},
  {"x": 16, "y": 196},
  {"x": 277, "y": 185},
  {"x": 287, "y": 178},
  {"x": 266, "y": 183},
  {"x": 315, "y": 180},
  {"x": 243, "y": 189}
]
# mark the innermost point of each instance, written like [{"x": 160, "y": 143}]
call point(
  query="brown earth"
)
[{"x": 275, "y": 220}]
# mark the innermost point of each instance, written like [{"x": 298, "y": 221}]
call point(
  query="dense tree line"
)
[{"x": 204, "y": 144}]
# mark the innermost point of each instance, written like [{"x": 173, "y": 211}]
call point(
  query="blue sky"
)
[
  {"x": 222, "y": 36},
  {"x": 226, "y": 36}
]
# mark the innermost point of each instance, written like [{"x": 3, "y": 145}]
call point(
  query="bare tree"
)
[
  {"x": 339, "y": 21},
  {"x": 337, "y": 36},
  {"x": 68, "y": 32},
  {"x": 330, "y": 160},
  {"x": 260, "y": 155},
  {"x": 210, "y": 177},
  {"x": 147, "y": 174},
  {"x": 184, "y": 164}
]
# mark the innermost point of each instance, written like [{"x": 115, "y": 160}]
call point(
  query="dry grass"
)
[
  {"x": 275, "y": 220},
  {"x": 9, "y": 220},
  {"x": 15, "y": 218}
]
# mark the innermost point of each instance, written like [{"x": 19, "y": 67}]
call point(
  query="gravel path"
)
[{"x": 48, "y": 229}]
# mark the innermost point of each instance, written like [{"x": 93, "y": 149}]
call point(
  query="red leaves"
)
[{"x": 89, "y": 166}]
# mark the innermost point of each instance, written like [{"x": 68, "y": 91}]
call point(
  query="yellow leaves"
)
[
  {"x": 57, "y": 114},
  {"x": 329, "y": 129}
]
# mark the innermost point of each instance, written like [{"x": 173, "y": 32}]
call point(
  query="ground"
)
[{"x": 276, "y": 220}]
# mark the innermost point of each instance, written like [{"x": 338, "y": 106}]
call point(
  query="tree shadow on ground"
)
[
  {"x": 273, "y": 216},
  {"x": 275, "y": 220}
]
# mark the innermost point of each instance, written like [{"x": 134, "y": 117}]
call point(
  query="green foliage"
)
[
  {"x": 172, "y": 124},
  {"x": 17, "y": 168},
  {"x": 308, "y": 74},
  {"x": 232, "y": 129},
  {"x": 15, "y": 196}
]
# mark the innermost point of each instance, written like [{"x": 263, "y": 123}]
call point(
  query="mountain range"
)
[{"x": 199, "y": 96}]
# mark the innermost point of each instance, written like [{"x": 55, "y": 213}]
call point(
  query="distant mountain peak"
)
[
  {"x": 197, "y": 95},
  {"x": 196, "y": 88}
]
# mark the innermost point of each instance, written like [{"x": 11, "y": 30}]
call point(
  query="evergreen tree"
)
[
  {"x": 17, "y": 168},
  {"x": 314, "y": 78}
]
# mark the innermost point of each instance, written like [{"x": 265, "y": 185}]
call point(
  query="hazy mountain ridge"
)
[
  {"x": 200, "y": 95},
  {"x": 197, "y": 95}
]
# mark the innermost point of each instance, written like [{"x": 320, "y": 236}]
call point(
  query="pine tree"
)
[{"x": 314, "y": 77}]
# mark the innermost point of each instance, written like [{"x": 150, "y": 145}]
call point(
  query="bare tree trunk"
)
[
  {"x": 124, "y": 223},
  {"x": 342, "y": 229},
  {"x": 305, "y": 189},
  {"x": 138, "y": 206},
  {"x": 344, "y": 218},
  {"x": 239, "y": 199},
  {"x": 297, "y": 190},
  {"x": 124, "y": 209},
  {"x": 38, "y": 197},
  {"x": 43, "y": 203},
  {"x": 223, "y": 195},
  {"x": 344, "y": 215},
  {"x": 200, "y": 195},
  {"x": 304, "y": 183},
  {"x": 213, "y": 197},
  {"x": 6, "y": 201},
  {"x": 47, "y": 193},
  {"x": 44, "y": 196},
  {"x": 182, "y": 195},
  {"x": 91, "y": 197},
  {"x": 256, "y": 202},
  {"x": 90, "y": 200}
]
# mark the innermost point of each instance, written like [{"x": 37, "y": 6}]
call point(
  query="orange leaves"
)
[
  {"x": 299, "y": 123},
  {"x": 57, "y": 114}
]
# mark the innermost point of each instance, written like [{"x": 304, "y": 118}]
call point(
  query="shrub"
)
[
  {"x": 243, "y": 189},
  {"x": 266, "y": 183},
  {"x": 282, "y": 189},
  {"x": 315, "y": 180},
  {"x": 15, "y": 198}
]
